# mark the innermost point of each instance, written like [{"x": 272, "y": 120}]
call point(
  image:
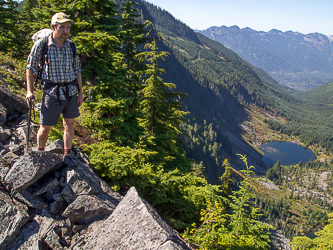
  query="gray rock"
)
[
  {"x": 22, "y": 118},
  {"x": 58, "y": 206},
  {"x": 170, "y": 245},
  {"x": 3, "y": 171},
  {"x": 53, "y": 240},
  {"x": 22, "y": 131},
  {"x": 4, "y": 134},
  {"x": 77, "y": 228},
  {"x": 13, "y": 116},
  {"x": 12, "y": 219},
  {"x": 46, "y": 223},
  {"x": 9, "y": 159},
  {"x": 34, "y": 232},
  {"x": 14, "y": 140},
  {"x": 88, "y": 208},
  {"x": 27, "y": 198},
  {"x": 135, "y": 224},
  {"x": 81, "y": 156},
  {"x": 12, "y": 102},
  {"x": 82, "y": 180},
  {"x": 50, "y": 194},
  {"x": 3, "y": 114},
  {"x": 30, "y": 168},
  {"x": 56, "y": 147},
  {"x": 16, "y": 149},
  {"x": 68, "y": 195},
  {"x": 57, "y": 197},
  {"x": 48, "y": 186},
  {"x": 27, "y": 239}
]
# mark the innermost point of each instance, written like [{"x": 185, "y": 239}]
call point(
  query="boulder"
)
[
  {"x": 4, "y": 135},
  {"x": 12, "y": 219},
  {"x": 16, "y": 149},
  {"x": 3, "y": 114},
  {"x": 22, "y": 131},
  {"x": 35, "y": 232},
  {"x": 53, "y": 240},
  {"x": 88, "y": 208},
  {"x": 135, "y": 224},
  {"x": 29, "y": 168},
  {"x": 58, "y": 205},
  {"x": 27, "y": 198},
  {"x": 68, "y": 195},
  {"x": 47, "y": 186},
  {"x": 82, "y": 180},
  {"x": 3, "y": 171},
  {"x": 9, "y": 159},
  {"x": 12, "y": 102},
  {"x": 56, "y": 147}
]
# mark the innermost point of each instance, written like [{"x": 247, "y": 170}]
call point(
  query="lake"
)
[{"x": 287, "y": 152}]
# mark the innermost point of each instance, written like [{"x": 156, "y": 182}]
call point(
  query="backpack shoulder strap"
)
[
  {"x": 44, "y": 58},
  {"x": 73, "y": 47}
]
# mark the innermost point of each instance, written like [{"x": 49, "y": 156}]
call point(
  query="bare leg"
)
[
  {"x": 42, "y": 135},
  {"x": 68, "y": 133}
]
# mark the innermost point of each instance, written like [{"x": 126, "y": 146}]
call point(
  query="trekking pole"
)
[{"x": 29, "y": 121}]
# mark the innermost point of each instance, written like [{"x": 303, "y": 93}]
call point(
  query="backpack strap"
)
[
  {"x": 44, "y": 58},
  {"x": 73, "y": 47}
]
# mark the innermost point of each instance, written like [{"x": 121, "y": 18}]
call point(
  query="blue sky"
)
[{"x": 304, "y": 16}]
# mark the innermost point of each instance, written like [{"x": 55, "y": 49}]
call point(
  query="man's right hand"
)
[{"x": 30, "y": 96}]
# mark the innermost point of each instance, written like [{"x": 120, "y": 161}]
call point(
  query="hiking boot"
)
[{"x": 68, "y": 161}]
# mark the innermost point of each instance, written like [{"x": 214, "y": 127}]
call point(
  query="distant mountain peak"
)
[{"x": 275, "y": 31}]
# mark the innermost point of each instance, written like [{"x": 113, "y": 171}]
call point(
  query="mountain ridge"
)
[{"x": 293, "y": 59}]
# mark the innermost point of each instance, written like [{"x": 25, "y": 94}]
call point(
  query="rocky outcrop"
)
[
  {"x": 46, "y": 204},
  {"x": 134, "y": 224},
  {"x": 13, "y": 217},
  {"x": 13, "y": 103}
]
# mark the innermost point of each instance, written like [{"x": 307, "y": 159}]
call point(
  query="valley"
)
[{"x": 245, "y": 107}]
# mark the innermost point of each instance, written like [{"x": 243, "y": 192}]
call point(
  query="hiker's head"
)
[
  {"x": 59, "y": 18},
  {"x": 60, "y": 25}
]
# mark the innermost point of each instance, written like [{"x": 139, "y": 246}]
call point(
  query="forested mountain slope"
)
[
  {"x": 241, "y": 102},
  {"x": 221, "y": 87},
  {"x": 293, "y": 59}
]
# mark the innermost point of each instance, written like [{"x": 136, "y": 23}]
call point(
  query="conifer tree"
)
[
  {"x": 97, "y": 39},
  {"x": 226, "y": 179},
  {"x": 10, "y": 37},
  {"x": 132, "y": 34},
  {"x": 238, "y": 229},
  {"x": 162, "y": 111}
]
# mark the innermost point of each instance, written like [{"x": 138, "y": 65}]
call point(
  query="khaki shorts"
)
[{"x": 51, "y": 110}]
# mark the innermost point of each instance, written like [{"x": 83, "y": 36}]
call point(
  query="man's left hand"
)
[{"x": 80, "y": 99}]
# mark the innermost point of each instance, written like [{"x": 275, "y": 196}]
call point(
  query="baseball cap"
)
[{"x": 60, "y": 18}]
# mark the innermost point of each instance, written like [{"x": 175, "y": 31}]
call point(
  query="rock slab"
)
[
  {"x": 30, "y": 168},
  {"x": 13, "y": 218},
  {"x": 135, "y": 224}
]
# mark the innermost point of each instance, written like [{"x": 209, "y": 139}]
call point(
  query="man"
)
[{"x": 60, "y": 79}]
